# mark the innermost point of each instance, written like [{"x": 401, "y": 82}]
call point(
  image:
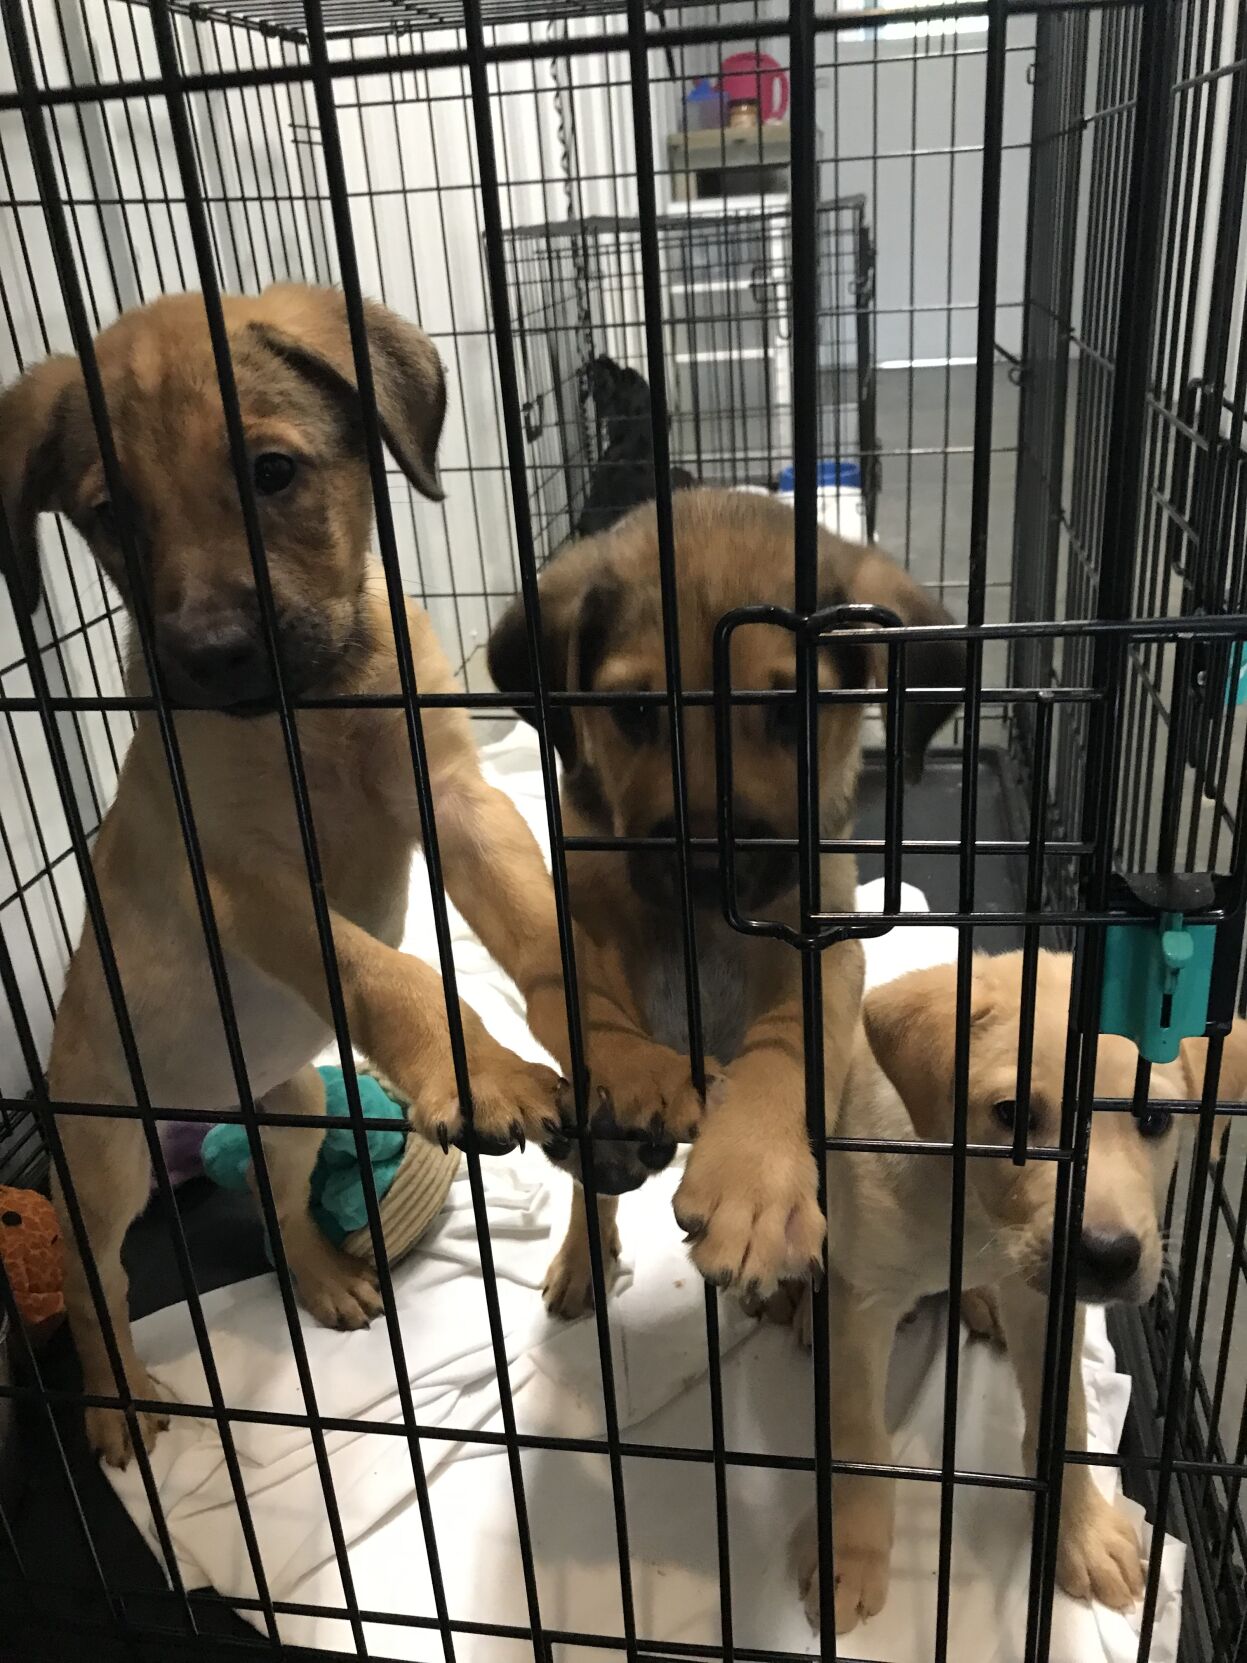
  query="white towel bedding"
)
[{"x": 659, "y": 1355}]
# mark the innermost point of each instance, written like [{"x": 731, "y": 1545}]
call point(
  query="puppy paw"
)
[
  {"x": 981, "y": 1315},
  {"x": 642, "y": 1106},
  {"x": 648, "y": 1087},
  {"x": 749, "y": 1208},
  {"x": 108, "y": 1430},
  {"x": 512, "y": 1100},
  {"x": 644, "y": 1088},
  {"x": 568, "y": 1287},
  {"x": 862, "y": 1553},
  {"x": 339, "y": 1291},
  {"x": 1098, "y": 1553}
]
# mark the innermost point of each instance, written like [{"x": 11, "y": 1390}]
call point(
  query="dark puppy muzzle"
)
[
  {"x": 217, "y": 658},
  {"x": 621, "y": 1163},
  {"x": 761, "y": 874}
]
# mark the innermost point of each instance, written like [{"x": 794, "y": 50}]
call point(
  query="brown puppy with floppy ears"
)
[
  {"x": 749, "y": 1195},
  {"x": 294, "y": 368},
  {"x": 888, "y": 1240}
]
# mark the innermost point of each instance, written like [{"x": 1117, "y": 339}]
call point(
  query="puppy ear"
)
[
  {"x": 1232, "y": 1081},
  {"x": 308, "y": 328},
  {"x": 31, "y": 472},
  {"x": 574, "y": 619},
  {"x": 911, "y": 1025},
  {"x": 869, "y": 576}
]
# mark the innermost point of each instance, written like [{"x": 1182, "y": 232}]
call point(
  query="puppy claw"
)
[
  {"x": 443, "y": 1136},
  {"x": 517, "y": 1132}
]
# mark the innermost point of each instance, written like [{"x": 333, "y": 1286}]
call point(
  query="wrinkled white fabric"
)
[{"x": 658, "y": 1349}]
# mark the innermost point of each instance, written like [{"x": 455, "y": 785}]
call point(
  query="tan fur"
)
[
  {"x": 295, "y": 377},
  {"x": 749, "y": 1193},
  {"x": 889, "y": 1240}
]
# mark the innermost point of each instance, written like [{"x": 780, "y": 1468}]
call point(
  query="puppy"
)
[
  {"x": 294, "y": 368},
  {"x": 748, "y": 1198},
  {"x": 624, "y": 475},
  {"x": 888, "y": 1245}
]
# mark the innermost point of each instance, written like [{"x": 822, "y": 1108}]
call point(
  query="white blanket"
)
[{"x": 660, "y": 1369}]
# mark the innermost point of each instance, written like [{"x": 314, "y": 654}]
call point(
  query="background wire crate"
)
[
  {"x": 1023, "y": 294},
  {"x": 726, "y": 277}
]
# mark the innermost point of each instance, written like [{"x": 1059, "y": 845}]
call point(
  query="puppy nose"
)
[
  {"x": 1107, "y": 1257},
  {"x": 703, "y": 875},
  {"x": 214, "y": 657}
]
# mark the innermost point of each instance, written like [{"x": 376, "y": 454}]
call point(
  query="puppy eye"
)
[
  {"x": 1006, "y": 1112},
  {"x": 104, "y": 518},
  {"x": 783, "y": 720},
  {"x": 1153, "y": 1123},
  {"x": 637, "y": 722},
  {"x": 272, "y": 472}
]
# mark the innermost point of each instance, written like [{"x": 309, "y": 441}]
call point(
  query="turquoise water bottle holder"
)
[{"x": 1158, "y": 974}]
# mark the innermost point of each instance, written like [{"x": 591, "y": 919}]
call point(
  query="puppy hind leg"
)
[
  {"x": 861, "y": 1336},
  {"x": 1098, "y": 1554},
  {"x": 110, "y": 1179},
  {"x": 568, "y": 1290},
  {"x": 339, "y": 1291}
]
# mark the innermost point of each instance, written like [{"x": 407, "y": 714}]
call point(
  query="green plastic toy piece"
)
[{"x": 1156, "y": 983}]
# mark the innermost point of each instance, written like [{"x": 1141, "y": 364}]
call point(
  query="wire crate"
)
[
  {"x": 726, "y": 274},
  {"x": 999, "y": 283}
]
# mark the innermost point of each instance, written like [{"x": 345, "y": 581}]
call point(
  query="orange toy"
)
[{"x": 30, "y": 1246}]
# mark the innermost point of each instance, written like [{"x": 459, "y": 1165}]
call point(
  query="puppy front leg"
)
[
  {"x": 395, "y": 1009},
  {"x": 339, "y": 1291},
  {"x": 1097, "y": 1550},
  {"x": 863, "y": 1508},
  {"x": 496, "y": 876},
  {"x": 749, "y": 1197}
]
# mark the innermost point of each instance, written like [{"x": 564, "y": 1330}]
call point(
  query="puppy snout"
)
[
  {"x": 1108, "y": 1263},
  {"x": 761, "y": 874},
  {"x": 215, "y": 658},
  {"x": 655, "y": 873}
]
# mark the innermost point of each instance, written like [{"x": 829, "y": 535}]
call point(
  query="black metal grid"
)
[
  {"x": 576, "y": 288},
  {"x": 1124, "y": 619}
]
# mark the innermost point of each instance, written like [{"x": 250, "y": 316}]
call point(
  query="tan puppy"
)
[
  {"x": 293, "y": 363},
  {"x": 889, "y": 1229},
  {"x": 749, "y": 1196}
]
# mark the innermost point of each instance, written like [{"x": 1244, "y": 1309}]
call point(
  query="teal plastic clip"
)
[{"x": 1157, "y": 982}]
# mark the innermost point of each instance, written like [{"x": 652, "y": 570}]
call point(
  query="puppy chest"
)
[{"x": 722, "y": 984}]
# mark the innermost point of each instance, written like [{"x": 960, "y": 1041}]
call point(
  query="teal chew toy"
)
[{"x": 337, "y": 1203}]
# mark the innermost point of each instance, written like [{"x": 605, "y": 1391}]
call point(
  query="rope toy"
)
[{"x": 411, "y": 1177}]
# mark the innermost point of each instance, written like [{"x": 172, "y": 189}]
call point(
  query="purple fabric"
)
[{"x": 182, "y": 1141}]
